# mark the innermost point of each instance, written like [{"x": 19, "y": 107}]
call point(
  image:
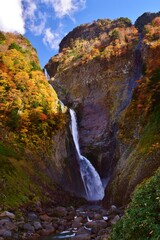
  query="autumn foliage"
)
[
  {"x": 29, "y": 107},
  {"x": 101, "y": 39}
]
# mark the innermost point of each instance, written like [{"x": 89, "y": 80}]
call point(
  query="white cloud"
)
[
  {"x": 35, "y": 16},
  {"x": 52, "y": 39},
  {"x": 29, "y": 8},
  {"x": 65, "y": 7},
  {"x": 11, "y": 19},
  {"x": 35, "y": 20}
]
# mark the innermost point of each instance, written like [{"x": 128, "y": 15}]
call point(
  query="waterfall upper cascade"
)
[{"x": 94, "y": 190}]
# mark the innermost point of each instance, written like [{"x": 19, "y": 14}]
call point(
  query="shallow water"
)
[{"x": 63, "y": 235}]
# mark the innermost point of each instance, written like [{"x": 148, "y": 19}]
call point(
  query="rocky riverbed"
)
[{"x": 83, "y": 223}]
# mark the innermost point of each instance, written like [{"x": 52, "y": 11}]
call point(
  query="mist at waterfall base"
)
[{"x": 94, "y": 190}]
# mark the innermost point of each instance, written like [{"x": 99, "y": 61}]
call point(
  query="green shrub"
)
[
  {"x": 142, "y": 217},
  {"x": 34, "y": 66},
  {"x": 13, "y": 119},
  {"x": 115, "y": 34},
  {"x": 15, "y": 46},
  {"x": 2, "y": 38},
  {"x": 125, "y": 20}
]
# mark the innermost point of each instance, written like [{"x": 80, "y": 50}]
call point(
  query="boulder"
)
[
  {"x": 60, "y": 211},
  {"x": 37, "y": 226},
  {"x": 84, "y": 236},
  {"x": 28, "y": 227},
  {"x": 5, "y": 233},
  {"x": 32, "y": 217},
  {"x": 115, "y": 219},
  {"x": 45, "y": 218},
  {"x": 7, "y": 214}
]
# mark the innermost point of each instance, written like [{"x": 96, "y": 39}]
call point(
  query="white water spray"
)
[{"x": 91, "y": 180}]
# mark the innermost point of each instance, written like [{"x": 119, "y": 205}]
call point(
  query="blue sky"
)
[{"x": 46, "y": 22}]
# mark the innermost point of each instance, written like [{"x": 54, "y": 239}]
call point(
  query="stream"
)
[{"x": 87, "y": 222}]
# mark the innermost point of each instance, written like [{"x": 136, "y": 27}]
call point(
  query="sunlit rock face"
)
[
  {"x": 95, "y": 73},
  {"x": 103, "y": 71}
]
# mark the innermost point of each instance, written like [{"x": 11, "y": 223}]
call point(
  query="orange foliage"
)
[{"x": 28, "y": 105}]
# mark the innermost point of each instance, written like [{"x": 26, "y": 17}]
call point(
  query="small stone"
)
[
  {"x": 94, "y": 226},
  {"x": 4, "y": 221},
  {"x": 27, "y": 235},
  {"x": 82, "y": 237},
  {"x": 102, "y": 224},
  {"x": 105, "y": 237},
  {"x": 104, "y": 212},
  {"x": 60, "y": 212},
  {"x": 32, "y": 217},
  {"x": 28, "y": 227},
  {"x": 46, "y": 232},
  {"x": 83, "y": 230},
  {"x": 15, "y": 236},
  {"x": 76, "y": 224},
  {"x": 115, "y": 219},
  {"x": 104, "y": 231},
  {"x": 56, "y": 224},
  {"x": 2, "y": 231},
  {"x": 5, "y": 233},
  {"x": 20, "y": 223},
  {"x": 113, "y": 209},
  {"x": 48, "y": 226},
  {"x": 7, "y": 214},
  {"x": 37, "y": 226},
  {"x": 10, "y": 226},
  {"x": 61, "y": 228},
  {"x": 45, "y": 218},
  {"x": 32, "y": 236},
  {"x": 97, "y": 216},
  {"x": 91, "y": 224},
  {"x": 78, "y": 219},
  {"x": 82, "y": 214}
]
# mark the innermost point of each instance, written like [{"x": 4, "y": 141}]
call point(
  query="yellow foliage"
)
[{"x": 28, "y": 104}]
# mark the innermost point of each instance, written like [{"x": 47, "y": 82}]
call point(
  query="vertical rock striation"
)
[
  {"x": 98, "y": 73},
  {"x": 97, "y": 80}
]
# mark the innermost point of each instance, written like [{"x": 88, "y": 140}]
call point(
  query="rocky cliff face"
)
[
  {"x": 98, "y": 84},
  {"x": 63, "y": 165},
  {"x": 95, "y": 73},
  {"x": 138, "y": 132}
]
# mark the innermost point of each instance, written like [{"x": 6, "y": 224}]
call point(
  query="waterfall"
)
[{"x": 94, "y": 190}]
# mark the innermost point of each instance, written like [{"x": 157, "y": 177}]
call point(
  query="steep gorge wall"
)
[
  {"x": 98, "y": 89},
  {"x": 138, "y": 132},
  {"x": 97, "y": 78}
]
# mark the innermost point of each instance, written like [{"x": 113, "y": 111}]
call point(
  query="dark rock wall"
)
[
  {"x": 63, "y": 166},
  {"x": 100, "y": 90}
]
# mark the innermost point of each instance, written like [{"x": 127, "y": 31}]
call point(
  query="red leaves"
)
[{"x": 43, "y": 117}]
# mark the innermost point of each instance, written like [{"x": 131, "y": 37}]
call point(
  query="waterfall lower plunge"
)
[{"x": 94, "y": 190}]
